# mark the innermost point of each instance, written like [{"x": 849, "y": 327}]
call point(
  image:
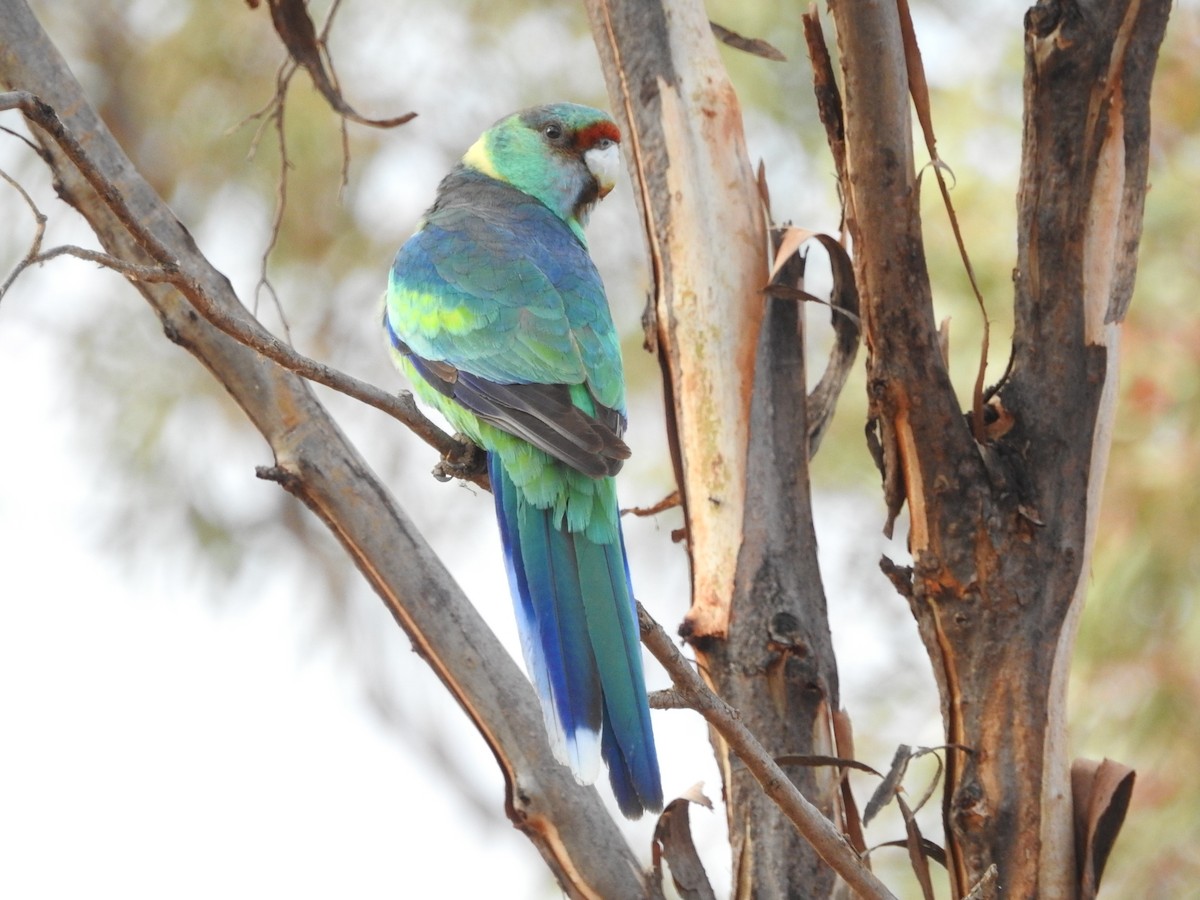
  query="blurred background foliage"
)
[{"x": 171, "y": 457}]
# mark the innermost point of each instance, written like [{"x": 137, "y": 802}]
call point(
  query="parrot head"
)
[{"x": 563, "y": 154}]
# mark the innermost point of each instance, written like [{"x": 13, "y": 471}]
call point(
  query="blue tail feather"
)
[
  {"x": 541, "y": 567},
  {"x": 579, "y": 632},
  {"x": 628, "y": 745}
]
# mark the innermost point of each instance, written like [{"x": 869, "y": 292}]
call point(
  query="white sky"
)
[{"x": 155, "y": 744}]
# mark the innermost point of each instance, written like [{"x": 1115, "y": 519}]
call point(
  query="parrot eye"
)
[{"x": 553, "y": 131}]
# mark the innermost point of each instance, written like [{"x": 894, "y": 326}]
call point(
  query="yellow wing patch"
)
[{"x": 417, "y": 313}]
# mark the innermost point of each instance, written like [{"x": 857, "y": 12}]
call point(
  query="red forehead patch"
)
[{"x": 587, "y": 137}]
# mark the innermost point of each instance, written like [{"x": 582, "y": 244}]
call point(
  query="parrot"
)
[{"x": 496, "y": 313}]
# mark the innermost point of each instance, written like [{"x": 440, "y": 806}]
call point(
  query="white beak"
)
[{"x": 604, "y": 162}]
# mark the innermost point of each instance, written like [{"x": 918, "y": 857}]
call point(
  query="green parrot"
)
[{"x": 496, "y": 313}]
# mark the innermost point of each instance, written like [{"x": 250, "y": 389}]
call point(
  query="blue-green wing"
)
[
  {"x": 497, "y": 285},
  {"x": 496, "y": 304}
]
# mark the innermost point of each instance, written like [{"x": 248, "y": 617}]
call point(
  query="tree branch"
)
[
  {"x": 235, "y": 321},
  {"x": 694, "y": 188},
  {"x": 809, "y": 821},
  {"x": 1001, "y": 531},
  {"x": 567, "y": 823}
]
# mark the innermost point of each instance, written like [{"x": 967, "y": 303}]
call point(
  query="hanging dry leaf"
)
[
  {"x": 916, "y": 852},
  {"x": 1100, "y": 793},
  {"x": 753, "y": 46},
  {"x": 843, "y": 735},
  {"x": 295, "y": 28},
  {"x": 890, "y": 785},
  {"x": 673, "y": 843}
]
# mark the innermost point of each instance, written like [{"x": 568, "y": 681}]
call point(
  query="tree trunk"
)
[
  {"x": 735, "y": 387},
  {"x": 1001, "y": 531}
]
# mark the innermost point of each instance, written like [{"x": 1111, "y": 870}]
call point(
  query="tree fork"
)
[
  {"x": 734, "y": 377},
  {"x": 1001, "y": 533}
]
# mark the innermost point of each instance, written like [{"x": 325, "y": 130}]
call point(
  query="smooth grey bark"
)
[{"x": 312, "y": 459}]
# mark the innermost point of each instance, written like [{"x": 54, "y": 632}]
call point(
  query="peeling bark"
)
[
  {"x": 736, "y": 402},
  {"x": 1001, "y": 532},
  {"x": 708, "y": 247}
]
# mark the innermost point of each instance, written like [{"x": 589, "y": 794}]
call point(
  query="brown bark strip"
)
[
  {"x": 919, "y": 89},
  {"x": 829, "y": 98},
  {"x": 953, "y": 723},
  {"x": 843, "y": 740},
  {"x": 787, "y": 280}
]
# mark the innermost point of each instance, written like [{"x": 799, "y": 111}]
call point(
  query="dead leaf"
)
[
  {"x": 673, "y": 843},
  {"x": 295, "y": 28},
  {"x": 916, "y": 853},
  {"x": 816, "y": 759},
  {"x": 843, "y": 737},
  {"x": 1100, "y": 794},
  {"x": 753, "y": 46},
  {"x": 890, "y": 785}
]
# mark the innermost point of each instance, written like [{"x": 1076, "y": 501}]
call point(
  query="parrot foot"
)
[{"x": 466, "y": 462}]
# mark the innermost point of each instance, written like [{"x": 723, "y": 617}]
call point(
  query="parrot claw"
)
[{"x": 464, "y": 463}]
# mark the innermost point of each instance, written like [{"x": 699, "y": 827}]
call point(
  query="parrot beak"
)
[{"x": 604, "y": 162}]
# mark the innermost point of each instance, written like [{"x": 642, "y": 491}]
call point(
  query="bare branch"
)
[
  {"x": 670, "y": 501},
  {"x": 277, "y": 107},
  {"x": 567, "y": 823},
  {"x": 239, "y": 326},
  {"x": 808, "y": 820},
  {"x": 35, "y": 245}
]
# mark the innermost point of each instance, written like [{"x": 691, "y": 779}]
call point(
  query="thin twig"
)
[
  {"x": 242, "y": 327},
  {"x": 132, "y": 271},
  {"x": 323, "y": 40},
  {"x": 281, "y": 197},
  {"x": 670, "y": 501},
  {"x": 817, "y": 830},
  {"x": 20, "y": 137},
  {"x": 39, "y": 232}
]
